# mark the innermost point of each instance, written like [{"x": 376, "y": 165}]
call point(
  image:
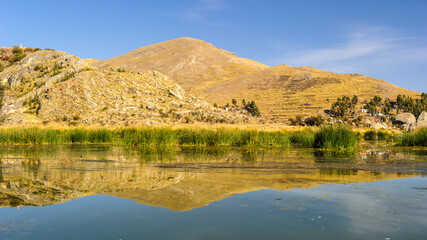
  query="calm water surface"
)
[{"x": 107, "y": 192}]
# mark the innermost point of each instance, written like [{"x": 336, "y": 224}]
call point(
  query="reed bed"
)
[
  {"x": 335, "y": 137},
  {"x": 325, "y": 137},
  {"x": 416, "y": 138}
]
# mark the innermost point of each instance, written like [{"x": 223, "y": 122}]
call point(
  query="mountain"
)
[
  {"x": 219, "y": 76},
  {"x": 49, "y": 86},
  {"x": 195, "y": 64}
]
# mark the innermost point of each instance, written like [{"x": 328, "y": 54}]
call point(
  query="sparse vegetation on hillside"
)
[
  {"x": 299, "y": 120},
  {"x": 314, "y": 120},
  {"x": 2, "y": 89},
  {"x": 414, "y": 106},
  {"x": 342, "y": 106},
  {"x": 377, "y": 110},
  {"x": 250, "y": 107}
]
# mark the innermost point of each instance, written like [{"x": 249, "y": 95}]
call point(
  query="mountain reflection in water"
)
[{"x": 186, "y": 178}]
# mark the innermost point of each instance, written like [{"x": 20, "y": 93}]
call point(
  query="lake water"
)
[{"x": 110, "y": 192}]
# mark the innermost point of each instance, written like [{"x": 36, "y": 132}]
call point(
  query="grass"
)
[
  {"x": 416, "y": 138},
  {"x": 335, "y": 137},
  {"x": 325, "y": 137}
]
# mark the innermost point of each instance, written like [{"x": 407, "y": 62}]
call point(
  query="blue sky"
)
[{"x": 383, "y": 39}]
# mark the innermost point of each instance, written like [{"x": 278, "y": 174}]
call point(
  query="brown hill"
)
[
  {"x": 52, "y": 86},
  {"x": 219, "y": 76},
  {"x": 194, "y": 63}
]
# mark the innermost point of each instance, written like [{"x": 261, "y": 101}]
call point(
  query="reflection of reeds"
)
[
  {"x": 334, "y": 137},
  {"x": 416, "y": 138},
  {"x": 380, "y": 135}
]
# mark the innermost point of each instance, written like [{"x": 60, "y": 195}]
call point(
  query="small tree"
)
[
  {"x": 215, "y": 105},
  {"x": 354, "y": 100},
  {"x": 243, "y": 103},
  {"x": 252, "y": 108},
  {"x": 234, "y": 101}
]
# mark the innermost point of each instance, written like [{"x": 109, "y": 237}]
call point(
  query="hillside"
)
[
  {"x": 283, "y": 91},
  {"x": 54, "y": 87},
  {"x": 219, "y": 76}
]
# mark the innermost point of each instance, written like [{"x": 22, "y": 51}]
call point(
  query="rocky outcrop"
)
[
  {"x": 54, "y": 87},
  {"x": 409, "y": 123},
  {"x": 422, "y": 120},
  {"x": 405, "y": 118}
]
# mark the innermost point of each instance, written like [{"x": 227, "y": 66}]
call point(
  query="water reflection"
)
[{"x": 182, "y": 179}]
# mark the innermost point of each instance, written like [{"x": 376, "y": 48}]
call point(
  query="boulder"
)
[
  {"x": 366, "y": 122},
  {"x": 176, "y": 93},
  {"x": 378, "y": 126},
  {"x": 405, "y": 118},
  {"x": 422, "y": 119},
  {"x": 150, "y": 106}
]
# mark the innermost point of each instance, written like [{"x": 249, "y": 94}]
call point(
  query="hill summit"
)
[{"x": 196, "y": 64}]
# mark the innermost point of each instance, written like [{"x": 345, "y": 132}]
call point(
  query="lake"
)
[{"x": 114, "y": 192}]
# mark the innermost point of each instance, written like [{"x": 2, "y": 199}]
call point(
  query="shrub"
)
[
  {"x": 17, "y": 50},
  {"x": 297, "y": 121},
  {"x": 56, "y": 70},
  {"x": 16, "y": 58},
  {"x": 314, "y": 120},
  {"x": 370, "y": 135}
]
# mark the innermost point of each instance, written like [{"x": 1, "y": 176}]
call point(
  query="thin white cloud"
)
[
  {"x": 199, "y": 14},
  {"x": 360, "y": 49}
]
